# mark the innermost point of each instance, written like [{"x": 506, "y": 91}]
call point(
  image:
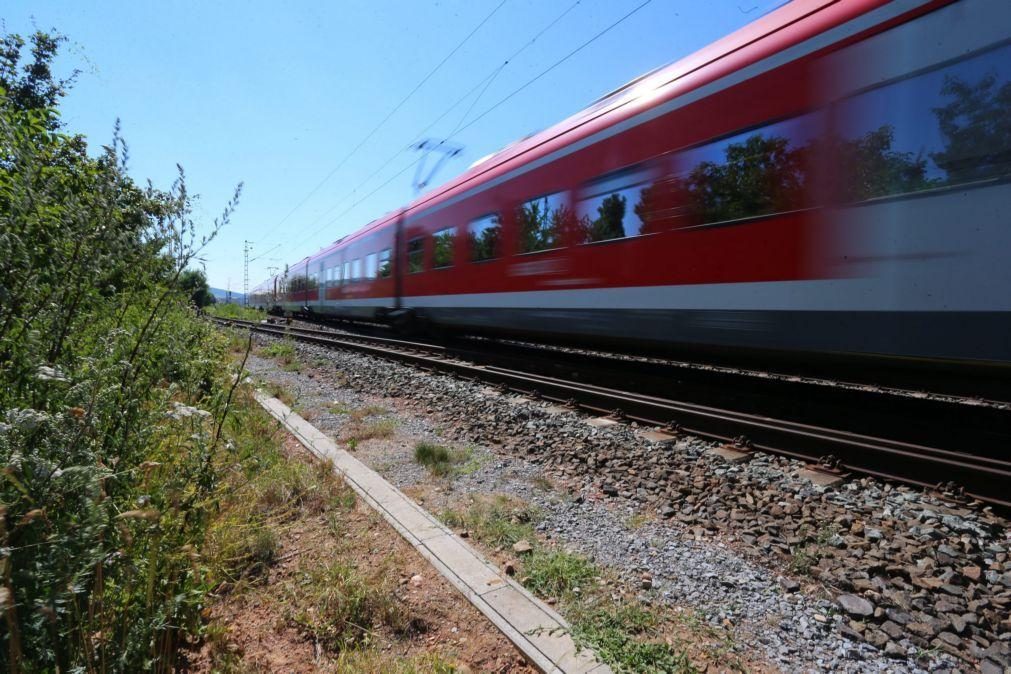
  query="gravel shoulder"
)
[{"x": 864, "y": 577}]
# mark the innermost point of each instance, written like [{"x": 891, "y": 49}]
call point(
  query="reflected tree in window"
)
[
  {"x": 540, "y": 224},
  {"x": 485, "y": 235},
  {"x": 759, "y": 175},
  {"x": 442, "y": 255},
  {"x": 976, "y": 125},
  {"x": 609, "y": 222},
  {"x": 872, "y": 168}
]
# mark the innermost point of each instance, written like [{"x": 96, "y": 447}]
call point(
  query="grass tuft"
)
[
  {"x": 555, "y": 573},
  {"x": 497, "y": 521},
  {"x": 340, "y": 608}
]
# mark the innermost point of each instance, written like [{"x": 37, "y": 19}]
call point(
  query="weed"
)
[
  {"x": 352, "y": 444},
  {"x": 497, "y": 521},
  {"x": 434, "y": 457},
  {"x": 377, "y": 429},
  {"x": 619, "y": 634},
  {"x": 554, "y": 573},
  {"x": 337, "y": 408},
  {"x": 361, "y": 413},
  {"x": 639, "y": 520},
  {"x": 341, "y": 609},
  {"x": 279, "y": 392},
  {"x": 236, "y": 311},
  {"x": 440, "y": 460},
  {"x": 283, "y": 351},
  {"x": 542, "y": 483},
  {"x": 370, "y": 661}
]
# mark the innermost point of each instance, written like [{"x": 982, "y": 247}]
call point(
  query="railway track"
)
[{"x": 885, "y": 433}]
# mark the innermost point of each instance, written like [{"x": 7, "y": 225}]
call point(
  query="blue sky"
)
[{"x": 276, "y": 94}]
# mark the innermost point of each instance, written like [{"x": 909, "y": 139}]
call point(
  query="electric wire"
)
[{"x": 390, "y": 114}]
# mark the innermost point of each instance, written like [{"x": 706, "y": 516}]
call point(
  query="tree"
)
[
  {"x": 33, "y": 85},
  {"x": 759, "y": 175},
  {"x": 193, "y": 282},
  {"x": 976, "y": 126},
  {"x": 609, "y": 223}
]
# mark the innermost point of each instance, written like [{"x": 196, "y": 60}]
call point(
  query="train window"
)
[
  {"x": 356, "y": 270},
  {"x": 484, "y": 234},
  {"x": 347, "y": 273},
  {"x": 613, "y": 208},
  {"x": 944, "y": 127},
  {"x": 415, "y": 255},
  {"x": 442, "y": 253},
  {"x": 385, "y": 268},
  {"x": 759, "y": 172},
  {"x": 541, "y": 222},
  {"x": 370, "y": 266}
]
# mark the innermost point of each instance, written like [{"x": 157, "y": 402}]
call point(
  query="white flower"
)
[
  {"x": 26, "y": 419},
  {"x": 46, "y": 373}
]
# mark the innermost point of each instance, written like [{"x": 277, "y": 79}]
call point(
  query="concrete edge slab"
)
[{"x": 534, "y": 628}]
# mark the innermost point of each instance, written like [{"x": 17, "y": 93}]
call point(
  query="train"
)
[{"x": 831, "y": 180}]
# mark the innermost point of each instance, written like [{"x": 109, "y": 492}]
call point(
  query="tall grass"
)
[{"x": 113, "y": 398}]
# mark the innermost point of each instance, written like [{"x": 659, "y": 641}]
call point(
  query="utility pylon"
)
[{"x": 247, "y": 246}]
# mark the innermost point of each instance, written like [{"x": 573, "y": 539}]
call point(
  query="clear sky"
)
[{"x": 277, "y": 94}]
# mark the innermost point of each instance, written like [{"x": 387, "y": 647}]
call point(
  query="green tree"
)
[
  {"x": 759, "y": 175},
  {"x": 609, "y": 223},
  {"x": 194, "y": 283},
  {"x": 872, "y": 168},
  {"x": 976, "y": 124}
]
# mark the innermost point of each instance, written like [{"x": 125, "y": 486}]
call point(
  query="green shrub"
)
[{"x": 113, "y": 399}]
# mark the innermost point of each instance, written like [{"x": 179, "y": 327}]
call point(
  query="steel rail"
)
[{"x": 984, "y": 478}]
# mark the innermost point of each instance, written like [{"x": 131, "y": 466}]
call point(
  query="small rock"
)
[
  {"x": 416, "y": 580},
  {"x": 855, "y": 606},
  {"x": 789, "y": 584},
  {"x": 893, "y": 650},
  {"x": 647, "y": 581},
  {"x": 522, "y": 546}
]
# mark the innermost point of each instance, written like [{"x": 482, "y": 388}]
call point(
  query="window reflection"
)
[
  {"x": 485, "y": 234},
  {"x": 385, "y": 268},
  {"x": 442, "y": 254},
  {"x": 541, "y": 222},
  {"x": 755, "y": 173},
  {"x": 612, "y": 211},
  {"x": 415, "y": 255},
  {"x": 944, "y": 127}
]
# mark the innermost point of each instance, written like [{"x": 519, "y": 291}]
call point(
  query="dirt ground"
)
[{"x": 254, "y": 626}]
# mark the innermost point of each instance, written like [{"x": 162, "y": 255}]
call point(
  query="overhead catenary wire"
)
[
  {"x": 483, "y": 85},
  {"x": 390, "y": 114},
  {"x": 499, "y": 103}
]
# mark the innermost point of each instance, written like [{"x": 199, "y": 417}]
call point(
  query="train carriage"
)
[{"x": 831, "y": 179}]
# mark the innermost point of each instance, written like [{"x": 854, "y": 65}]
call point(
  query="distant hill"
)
[{"x": 222, "y": 295}]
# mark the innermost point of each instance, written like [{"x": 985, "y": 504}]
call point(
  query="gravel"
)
[{"x": 865, "y": 576}]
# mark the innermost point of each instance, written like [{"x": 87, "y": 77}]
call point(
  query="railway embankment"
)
[{"x": 858, "y": 576}]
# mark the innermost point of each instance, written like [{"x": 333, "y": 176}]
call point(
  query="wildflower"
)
[{"x": 46, "y": 373}]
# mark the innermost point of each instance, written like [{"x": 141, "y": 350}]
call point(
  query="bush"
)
[{"x": 114, "y": 397}]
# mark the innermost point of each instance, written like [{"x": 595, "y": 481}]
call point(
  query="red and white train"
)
[{"x": 834, "y": 178}]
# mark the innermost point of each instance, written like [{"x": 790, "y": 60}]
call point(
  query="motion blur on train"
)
[{"x": 831, "y": 180}]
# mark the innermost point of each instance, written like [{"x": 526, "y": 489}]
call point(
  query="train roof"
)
[{"x": 780, "y": 29}]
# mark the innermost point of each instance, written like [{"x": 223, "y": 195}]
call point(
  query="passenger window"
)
[
  {"x": 356, "y": 269},
  {"x": 385, "y": 268},
  {"x": 613, "y": 208},
  {"x": 370, "y": 266},
  {"x": 944, "y": 127},
  {"x": 442, "y": 253},
  {"x": 759, "y": 172},
  {"x": 415, "y": 255},
  {"x": 347, "y": 273},
  {"x": 541, "y": 222},
  {"x": 484, "y": 235}
]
